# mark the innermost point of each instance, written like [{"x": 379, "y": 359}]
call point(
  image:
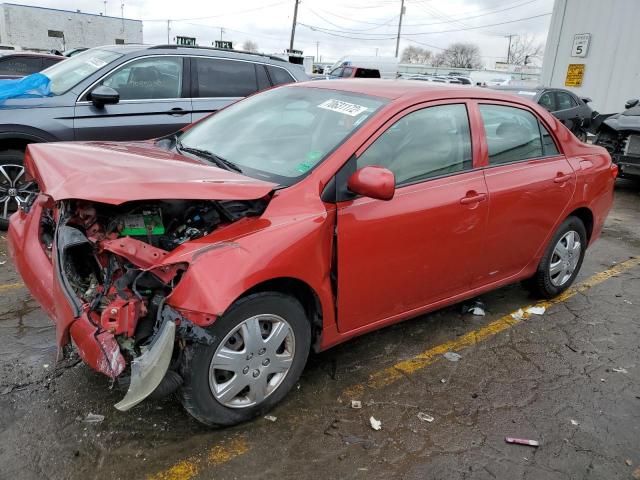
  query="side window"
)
[
  {"x": 336, "y": 72},
  {"x": 20, "y": 66},
  {"x": 564, "y": 101},
  {"x": 47, "y": 62},
  {"x": 512, "y": 134},
  {"x": 426, "y": 143},
  {"x": 279, "y": 75},
  {"x": 347, "y": 72},
  {"x": 548, "y": 145},
  {"x": 263, "y": 79},
  {"x": 148, "y": 78},
  {"x": 225, "y": 78},
  {"x": 547, "y": 101}
]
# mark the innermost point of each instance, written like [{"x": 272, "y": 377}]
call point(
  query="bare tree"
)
[
  {"x": 416, "y": 55},
  {"x": 524, "y": 48},
  {"x": 250, "y": 46},
  {"x": 462, "y": 55},
  {"x": 438, "y": 60}
]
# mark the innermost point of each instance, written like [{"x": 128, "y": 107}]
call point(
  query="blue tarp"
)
[{"x": 35, "y": 85}]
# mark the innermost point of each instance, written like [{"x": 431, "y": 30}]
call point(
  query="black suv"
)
[{"x": 127, "y": 92}]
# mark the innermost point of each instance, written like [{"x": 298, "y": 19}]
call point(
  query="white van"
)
[{"x": 388, "y": 66}]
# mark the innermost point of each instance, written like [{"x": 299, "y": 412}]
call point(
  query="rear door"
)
[
  {"x": 154, "y": 101},
  {"x": 218, "y": 82},
  {"x": 567, "y": 110},
  {"x": 424, "y": 244},
  {"x": 530, "y": 187}
]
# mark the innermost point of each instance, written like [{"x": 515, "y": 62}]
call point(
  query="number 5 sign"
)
[{"x": 580, "y": 44}]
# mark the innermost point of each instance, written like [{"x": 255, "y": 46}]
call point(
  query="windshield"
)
[
  {"x": 68, "y": 73},
  {"x": 282, "y": 134}
]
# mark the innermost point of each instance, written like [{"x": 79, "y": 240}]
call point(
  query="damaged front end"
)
[
  {"x": 113, "y": 272},
  {"x": 620, "y": 135}
]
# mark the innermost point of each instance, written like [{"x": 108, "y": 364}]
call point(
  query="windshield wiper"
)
[{"x": 217, "y": 160}]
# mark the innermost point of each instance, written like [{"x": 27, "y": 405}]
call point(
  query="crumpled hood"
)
[
  {"x": 627, "y": 120},
  {"x": 111, "y": 172}
]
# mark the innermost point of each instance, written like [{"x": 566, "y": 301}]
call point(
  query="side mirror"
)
[
  {"x": 631, "y": 103},
  {"x": 373, "y": 182},
  {"x": 101, "y": 96},
  {"x": 586, "y": 99}
]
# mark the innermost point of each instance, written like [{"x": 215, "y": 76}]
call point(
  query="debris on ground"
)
[
  {"x": 93, "y": 418},
  {"x": 271, "y": 418},
  {"x": 356, "y": 404},
  {"x": 6, "y": 390},
  {"x": 425, "y": 417},
  {"x": 375, "y": 424},
  {"x": 574, "y": 422},
  {"x": 522, "y": 441},
  {"x": 636, "y": 474},
  {"x": 628, "y": 462},
  {"x": 477, "y": 308},
  {"x": 518, "y": 314},
  {"x": 619, "y": 370},
  {"x": 452, "y": 356},
  {"x": 443, "y": 380},
  {"x": 536, "y": 310},
  {"x": 366, "y": 443}
]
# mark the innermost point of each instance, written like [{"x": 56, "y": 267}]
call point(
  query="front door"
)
[
  {"x": 424, "y": 244},
  {"x": 152, "y": 102},
  {"x": 530, "y": 186}
]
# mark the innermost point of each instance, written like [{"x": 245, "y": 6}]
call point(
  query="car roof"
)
[
  {"x": 30, "y": 54},
  {"x": 190, "y": 50},
  {"x": 407, "y": 89}
]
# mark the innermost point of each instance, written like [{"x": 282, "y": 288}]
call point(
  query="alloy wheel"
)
[
  {"x": 565, "y": 258},
  {"x": 14, "y": 189},
  {"x": 252, "y": 361}
]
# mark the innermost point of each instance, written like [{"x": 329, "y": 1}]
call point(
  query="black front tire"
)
[
  {"x": 540, "y": 284},
  {"x": 8, "y": 158},
  {"x": 196, "y": 394}
]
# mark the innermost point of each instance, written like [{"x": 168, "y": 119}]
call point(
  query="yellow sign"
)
[{"x": 575, "y": 73}]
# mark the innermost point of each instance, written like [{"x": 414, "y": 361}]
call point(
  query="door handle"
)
[
  {"x": 473, "y": 197},
  {"x": 562, "y": 177},
  {"x": 177, "y": 111}
]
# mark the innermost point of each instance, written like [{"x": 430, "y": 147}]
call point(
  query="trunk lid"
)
[{"x": 115, "y": 173}]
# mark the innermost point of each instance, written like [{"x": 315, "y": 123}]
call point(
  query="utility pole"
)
[
  {"x": 221, "y": 32},
  {"x": 509, "y": 48},
  {"x": 399, "y": 26},
  {"x": 168, "y": 30},
  {"x": 293, "y": 26},
  {"x": 317, "y": 51},
  {"x": 105, "y": 8}
]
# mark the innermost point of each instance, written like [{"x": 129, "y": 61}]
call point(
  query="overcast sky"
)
[{"x": 371, "y": 25}]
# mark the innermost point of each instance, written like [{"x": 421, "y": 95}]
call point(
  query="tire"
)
[
  {"x": 11, "y": 164},
  {"x": 544, "y": 284},
  {"x": 201, "y": 378}
]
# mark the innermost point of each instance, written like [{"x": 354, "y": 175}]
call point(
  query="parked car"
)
[
  {"x": 17, "y": 65},
  {"x": 496, "y": 82},
  {"x": 571, "y": 110},
  {"x": 353, "y": 72},
  {"x": 620, "y": 135},
  {"x": 214, "y": 259},
  {"x": 387, "y": 66},
  {"x": 127, "y": 92},
  {"x": 74, "y": 51}
]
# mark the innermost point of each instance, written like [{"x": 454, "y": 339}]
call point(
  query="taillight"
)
[{"x": 614, "y": 170}]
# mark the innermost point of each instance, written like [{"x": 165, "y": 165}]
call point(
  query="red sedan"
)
[{"x": 213, "y": 260}]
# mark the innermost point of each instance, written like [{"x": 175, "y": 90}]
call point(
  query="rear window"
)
[
  {"x": 279, "y": 75},
  {"x": 225, "y": 78},
  {"x": 367, "y": 73},
  {"x": 20, "y": 65}
]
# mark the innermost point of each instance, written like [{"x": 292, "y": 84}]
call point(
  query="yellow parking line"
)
[
  {"x": 9, "y": 286},
  {"x": 391, "y": 374},
  {"x": 189, "y": 468}
]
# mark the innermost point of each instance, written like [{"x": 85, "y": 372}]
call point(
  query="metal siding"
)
[{"x": 612, "y": 65}]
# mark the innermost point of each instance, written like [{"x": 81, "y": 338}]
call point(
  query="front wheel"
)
[
  {"x": 14, "y": 188},
  {"x": 260, "y": 348},
  {"x": 562, "y": 260}
]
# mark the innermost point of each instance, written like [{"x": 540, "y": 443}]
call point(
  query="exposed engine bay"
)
[{"x": 108, "y": 259}]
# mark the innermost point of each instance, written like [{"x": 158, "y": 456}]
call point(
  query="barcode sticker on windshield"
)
[
  {"x": 339, "y": 106},
  {"x": 96, "y": 62}
]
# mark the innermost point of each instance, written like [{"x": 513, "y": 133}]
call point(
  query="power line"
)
[
  {"x": 322, "y": 30},
  {"x": 325, "y": 30},
  {"x": 351, "y": 29}
]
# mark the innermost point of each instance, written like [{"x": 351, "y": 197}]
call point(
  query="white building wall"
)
[
  {"x": 27, "y": 27},
  {"x": 612, "y": 64}
]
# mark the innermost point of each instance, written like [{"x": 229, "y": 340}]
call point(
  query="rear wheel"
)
[
  {"x": 260, "y": 349},
  {"x": 562, "y": 260},
  {"x": 14, "y": 188}
]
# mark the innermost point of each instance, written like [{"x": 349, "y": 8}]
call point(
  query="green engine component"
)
[{"x": 149, "y": 222}]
